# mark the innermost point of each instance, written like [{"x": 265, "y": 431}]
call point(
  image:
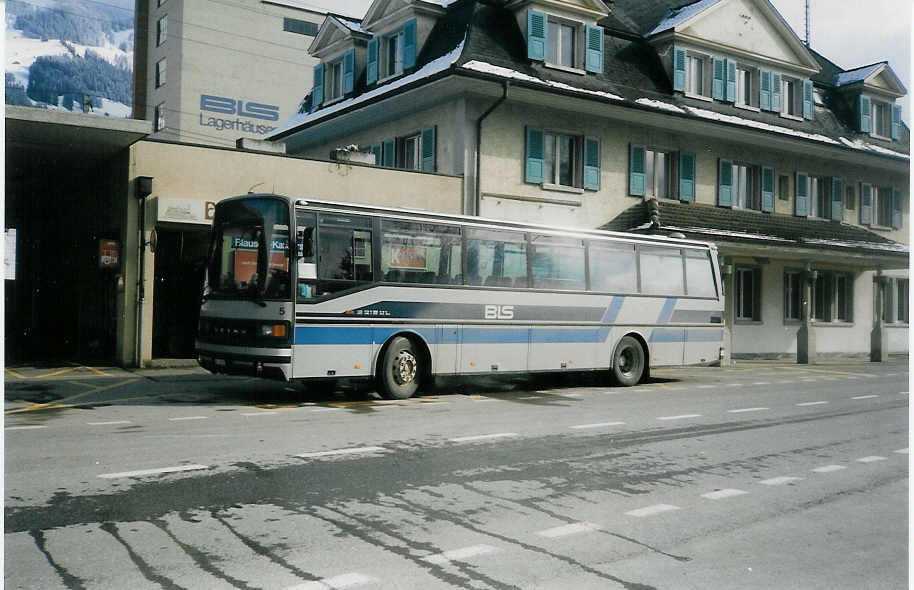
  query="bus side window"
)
[
  {"x": 613, "y": 268},
  {"x": 699, "y": 274},
  {"x": 423, "y": 253},
  {"x": 661, "y": 271},
  {"x": 344, "y": 253},
  {"x": 496, "y": 258},
  {"x": 306, "y": 224}
]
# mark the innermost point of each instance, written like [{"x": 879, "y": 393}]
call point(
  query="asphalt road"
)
[{"x": 758, "y": 476}]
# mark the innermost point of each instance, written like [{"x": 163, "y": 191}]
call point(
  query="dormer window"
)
[
  {"x": 698, "y": 80},
  {"x": 882, "y": 119},
  {"x": 561, "y": 41},
  {"x": 747, "y": 94},
  {"x": 392, "y": 50},
  {"x": 792, "y": 101},
  {"x": 392, "y": 53},
  {"x": 333, "y": 80},
  {"x": 564, "y": 43}
]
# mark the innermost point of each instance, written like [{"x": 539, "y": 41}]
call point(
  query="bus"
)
[{"x": 305, "y": 290}]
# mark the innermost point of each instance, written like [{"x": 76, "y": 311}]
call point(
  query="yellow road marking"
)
[
  {"x": 61, "y": 403},
  {"x": 56, "y": 373},
  {"x": 93, "y": 369},
  {"x": 15, "y": 373},
  {"x": 825, "y": 371}
]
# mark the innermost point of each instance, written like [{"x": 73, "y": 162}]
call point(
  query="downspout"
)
[
  {"x": 479, "y": 121},
  {"x": 141, "y": 283}
]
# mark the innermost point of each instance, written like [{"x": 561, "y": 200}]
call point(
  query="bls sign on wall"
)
[{"x": 244, "y": 115}]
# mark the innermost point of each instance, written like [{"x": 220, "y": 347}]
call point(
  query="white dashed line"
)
[
  {"x": 733, "y": 385},
  {"x": 865, "y": 397},
  {"x": 335, "y": 452},
  {"x": 779, "y": 481},
  {"x": 109, "y": 423},
  {"x": 870, "y": 459},
  {"x": 326, "y": 409},
  {"x": 569, "y": 529},
  {"x": 483, "y": 437},
  {"x": 531, "y": 397},
  {"x": 808, "y": 379},
  {"x": 805, "y": 404},
  {"x": 159, "y": 471},
  {"x": 651, "y": 510},
  {"x": 706, "y": 387},
  {"x": 721, "y": 494},
  {"x": 597, "y": 425},
  {"x": 460, "y": 554},
  {"x": 261, "y": 413},
  {"x": 183, "y": 418},
  {"x": 741, "y": 410},
  {"x": 680, "y": 417},
  {"x": 829, "y": 468},
  {"x": 336, "y": 582},
  {"x": 785, "y": 382},
  {"x": 901, "y": 451},
  {"x": 24, "y": 427},
  {"x": 762, "y": 383}
]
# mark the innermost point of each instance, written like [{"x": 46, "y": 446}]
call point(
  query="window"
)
[
  {"x": 699, "y": 274},
  {"x": 832, "y": 297},
  {"x": 793, "y": 295},
  {"x": 410, "y": 157},
  {"x": 496, "y": 258},
  {"x": 883, "y": 206},
  {"x": 160, "y": 73},
  {"x": 901, "y": 301},
  {"x": 160, "y": 2},
  {"x": 613, "y": 268},
  {"x": 791, "y": 97},
  {"x": 421, "y": 253},
  {"x": 161, "y": 30},
  {"x": 784, "y": 187},
  {"x": 333, "y": 80},
  {"x": 746, "y": 86},
  {"x": 293, "y": 25},
  {"x": 561, "y": 40},
  {"x": 746, "y": 192},
  {"x": 159, "y": 117},
  {"x": 748, "y": 294},
  {"x": 661, "y": 271},
  {"x": 344, "y": 252},
  {"x": 698, "y": 77},
  {"x": 820, "y": 197},
  {"x": 850, "y": 198},
  {"x": 557, "y": 263},
  {"x": 657, "y": 173},
  {"x": 561, "y": 157},
  {"x": 392, "y": 54},
  {"x": 882, "y": 119}
]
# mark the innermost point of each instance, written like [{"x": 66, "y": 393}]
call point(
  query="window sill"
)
[
  {"x": 568, "y": 69},
  {"x": 387, "y": 78},
  {"x": 748, "y": 107},
  {"x": 563, "y": 189},
  {"x": 877, "y": 227},
  {"x": 791, "y": 117},
  {"x": 875, "y": 135},
  {"x": 327, "y": 103},
  {"x": 896, "y": 325},
  {"x": 698, "y": 97}
]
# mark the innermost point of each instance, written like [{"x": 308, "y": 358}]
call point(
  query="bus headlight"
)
[{"x": 274, "y": 330}]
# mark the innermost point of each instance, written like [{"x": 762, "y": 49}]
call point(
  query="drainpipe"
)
[
  {"x": 143, "y": 190},
  {"x": 488, "y": 112}
]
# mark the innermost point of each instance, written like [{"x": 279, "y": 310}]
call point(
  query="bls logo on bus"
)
[
  {"x": 230, "y": 106},
  {"x": 499, "y": 312}
]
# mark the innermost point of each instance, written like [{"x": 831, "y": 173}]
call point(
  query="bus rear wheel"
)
[
  {"x": 628, "y": 362},
  {"x": 400, "y": 370}
]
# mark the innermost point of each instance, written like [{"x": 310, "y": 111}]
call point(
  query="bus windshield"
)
[{"x": 250, "y": 250}]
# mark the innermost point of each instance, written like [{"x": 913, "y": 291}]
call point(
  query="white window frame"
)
[
  {"x": 739, "y": 294},
  {"x": 788, "y": 292},
  {"x": 577, "y": 159},
  {"x": 746, "y": 197},
  {"x": 651, "y": 180},
  {"x": 791, "y": 109},
  {"x": 161, "y": 72},
  {"x": 875, "y": 106},
  {"x": 333, "y": 80},
  {"x": 743, "y": 71},
  {"x": 832, "y": 311},
  {"x": 161, "y": 30},
  {"x": 900, "y": 290},
  {"x": 159, "y": 117},
  {"x": 704, "y": 91},
  {"x": 880, "y": 195},
  {"x": 384, "y": 54},
  {"x": 554, "y": 43},
  {"x": 410, "y": 145},
  {"x": 812, "y": 193}
]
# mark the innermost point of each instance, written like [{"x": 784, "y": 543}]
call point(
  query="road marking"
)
[
  {"x": 110, "y": 423},
  {"x": 483, "y": 437},
  {"x": 460, "y": 554},
  {"x": 159, "y": 471},
  {"x": 326, "y": 409},
  {"x": 901, "y": 451},
  {"x": 789, "y": 381},
  {"x": 721, "y": 494},
  {"x": 706, "y": 387},
  {"x": 569, "y": 529},
  {"x": 870, "y": 459},
  {"x": 182, "y": 418},
  {"x": 651, "y": 510},
  {"x": 741, "y": 410},
  {"x": 805, "y": 404},
  {"x": 15, "y": 373},
  {"x": 809, "y": 380},
  {"x": 681, "y": 417},
  {"x": 349, "y": 451},
  {"x": 341, "y": 581},
  {"x": 762, "y": 383},
  {"x": 260, "y": 413},
  {"x": 530, "y": 397},
  {"x": 902, "y": 393},
  {"x": 779, "y": 481},
  {"x": 60, "y": 403},
  {"x": 865, "y": 397},
  {"x": 829, "y": 468},
  {"x": 597, "y": 425},
  {"x": 24, "y": 427}
]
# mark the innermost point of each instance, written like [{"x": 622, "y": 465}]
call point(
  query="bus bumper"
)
[{"x": 269, "y": 363}]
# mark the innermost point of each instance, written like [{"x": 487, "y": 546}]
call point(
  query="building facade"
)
[{"x": 711, "y": 119}]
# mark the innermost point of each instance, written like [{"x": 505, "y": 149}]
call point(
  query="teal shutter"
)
[
  {"x": 428, "y": 149},
  {"x": 348, "y": 71},
  {"x": 371, "y": 68},
  {"x": 866, "y": 204},
  {"x": 679, "y": 69},
  {"x": 593, "y": 62},
  {"x": 591, "y": 163},
  {"x": 375, "y": 150},
  {"x": 636, "y": 171},
  {"x": 536, "y": 35},
  {"x": 864, "y": 114},
  {"x": 896, "y": 208},
  {"x": 731, "y": 80},
  {"x": 896, "y": 121},
  {"x": 801, "y": 206},
  {"x": 534, "y": 166},
  {"x": 686, "y": 176},
  {"x": 317, "y": 94},
  {"x": 808, "y": 100},
  {"x": 725, "y": 183},
  {"x": 719, "y": 78},
  {"x": 776, "y": 92},
  {"x": 409, "y": 44},
  {"x": 837, "y": 198},
  {"x": 767, "y": 189},
  {"x": 389, "y": 153},
  {"x": 764, "y": 90}
]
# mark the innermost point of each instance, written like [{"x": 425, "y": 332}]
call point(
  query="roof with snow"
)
[
  {"x": 859, "y": 74},
  {"x": 677, "y": 16}
]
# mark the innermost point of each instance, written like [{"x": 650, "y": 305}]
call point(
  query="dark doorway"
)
[{"x": 179, "y": 261}]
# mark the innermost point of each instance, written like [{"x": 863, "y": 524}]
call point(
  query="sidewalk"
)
[{"x": 158, "y": 367}]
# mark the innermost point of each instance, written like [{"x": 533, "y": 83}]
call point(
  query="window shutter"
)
[
  {"x": 896, "y": 208},
  {"x": 686, "y": 176},
  {"x": 837, "y": 198},
  {"x": 389, "y": 153},
  {"x": 776, "y": 104},
  {"x": 764, "y": 90},
  {"x": 767, "y": 189},
  {"x": 801, "y": 205},
  {"x": 725, "y": 183},
  {"x": 731, "y": 80},
  {"x": 679, "y": 69},
  {"x": 808, "y": 100},
  {"x": 409, "y": 44},
  {"x": 536, "y": 35},
  {"x": 593, "y": 62},
  {"x": 533, "y": 170},
  {"x": 636, "y": 171},
  {"x": 317, "y": 94},
  {"x": 864, "y": 115},
  {"x": 371, "y": 69},
  {"x": 591, "y": 163},
  {"x": 866, "y": 204},
  {"x": 719, "y": 81},
  {"x": 348, "y": 70},
  {"x": 896, "y": 121},
  {"x": 428, "y": 149}
]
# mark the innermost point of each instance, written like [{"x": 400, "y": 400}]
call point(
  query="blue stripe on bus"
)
[
  {"x": 359, "y": 335},
  {"x": 667, "y": 312},
  {"x": 670, "y": 335}
]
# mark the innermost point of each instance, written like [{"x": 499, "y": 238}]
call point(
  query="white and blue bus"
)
[{"x": 302, "y": 290}]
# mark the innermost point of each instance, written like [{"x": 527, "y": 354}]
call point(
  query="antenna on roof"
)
[{"x": 807, "y": 23}]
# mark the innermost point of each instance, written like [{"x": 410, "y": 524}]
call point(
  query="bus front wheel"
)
[
  {"x": 628, "y": 362},
  {"x": 400, "y": 370}
]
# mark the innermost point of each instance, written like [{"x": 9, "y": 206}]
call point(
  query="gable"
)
[
  {"x": 331, "y": 37},
  {"x": 381, "y": 9},
  {"x": 590, "y": 9}
]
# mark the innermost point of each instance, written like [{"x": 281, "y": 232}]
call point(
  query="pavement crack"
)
[
  {"x": 69, "y": 580},
  {"x": 139, "y": 562}
]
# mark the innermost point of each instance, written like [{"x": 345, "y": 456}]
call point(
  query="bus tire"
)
[
  {"x": 628, "y": 362},
  {"x": 401, "y": 369}
]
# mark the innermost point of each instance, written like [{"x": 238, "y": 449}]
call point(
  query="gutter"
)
[{"x": 495, "y": 105}]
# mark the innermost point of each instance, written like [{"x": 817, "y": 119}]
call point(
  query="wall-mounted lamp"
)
[{"x": 143, "y": 186}]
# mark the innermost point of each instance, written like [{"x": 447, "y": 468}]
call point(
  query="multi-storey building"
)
[{"x": 711, "y": 119}]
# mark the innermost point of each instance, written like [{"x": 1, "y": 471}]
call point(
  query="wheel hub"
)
[{"x": 404, "y": 367}]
